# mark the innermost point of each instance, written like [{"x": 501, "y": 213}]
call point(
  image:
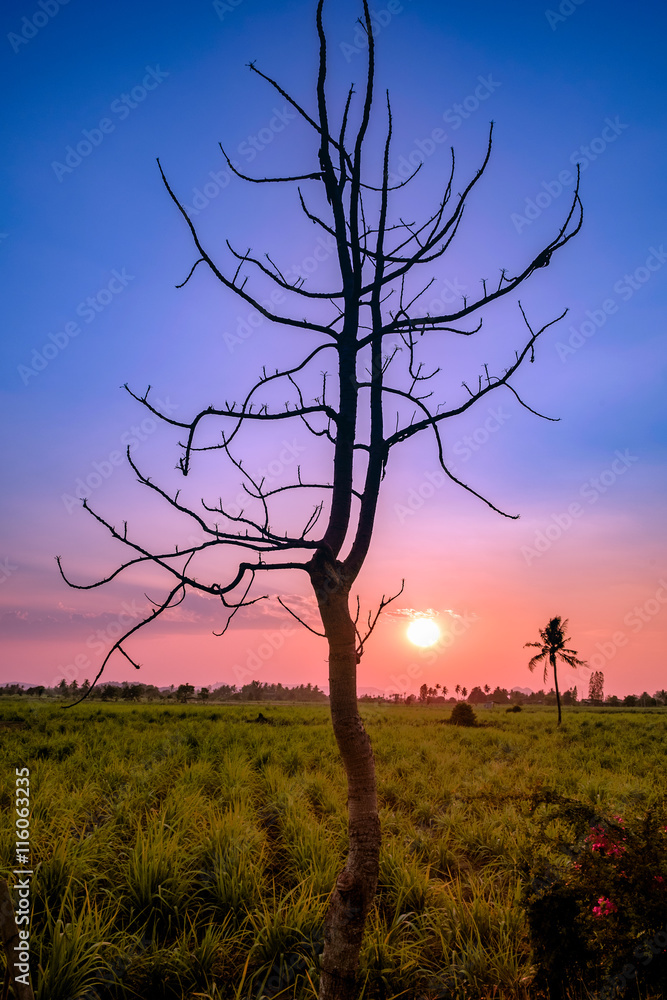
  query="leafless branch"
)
[
  {"x": 135, "y": 628},
  {"x": 300, "y": 620},
  {"x": 373, "y": 619}
]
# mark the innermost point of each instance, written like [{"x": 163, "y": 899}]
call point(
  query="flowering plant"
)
[
  {"x": 605, "y": 907},
  {"x": 598, "y": 913}
]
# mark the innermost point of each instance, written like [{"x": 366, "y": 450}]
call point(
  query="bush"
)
[
  {"x": 463, "y": 715},
  {"x": 513, "y": 708},
  {"x": 600, "y": 916}
]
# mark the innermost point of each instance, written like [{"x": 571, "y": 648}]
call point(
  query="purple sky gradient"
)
[{"x": 91, "y": 252}]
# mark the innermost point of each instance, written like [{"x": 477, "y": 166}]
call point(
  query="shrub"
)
[
  {"x": 463, "y": 715},
  {"x": 601, "y": 916}
]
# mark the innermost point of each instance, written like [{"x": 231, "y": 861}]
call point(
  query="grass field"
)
[{"x": 184, "y": 852}]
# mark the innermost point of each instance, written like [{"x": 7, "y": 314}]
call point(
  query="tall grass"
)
[{"x": 184, "y": 853}]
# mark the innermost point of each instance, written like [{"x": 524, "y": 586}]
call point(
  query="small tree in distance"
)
[
  {"x": 184, "y": 692},
  {"x": 365, "y": 331},
  {"x": 552, "y": 648},
  {"x": 596, "y": 687}
]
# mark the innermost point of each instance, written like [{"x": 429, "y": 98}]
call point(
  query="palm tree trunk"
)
[
  {"x": 553, "y": 664},
  {"x": 355, "y": 886}
]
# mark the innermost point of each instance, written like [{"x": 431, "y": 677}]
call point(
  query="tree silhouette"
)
[
  {"x": 374, "y": 395},
  {"x": 552, "y": 648},
  {"x": 596, "y": 686},
  {"x": 184, "y": 692}
]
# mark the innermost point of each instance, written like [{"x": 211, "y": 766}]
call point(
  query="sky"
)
[{"x": 92, "y": 248}]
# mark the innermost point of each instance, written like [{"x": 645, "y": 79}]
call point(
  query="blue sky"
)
[{"x": 92, "y": 248}]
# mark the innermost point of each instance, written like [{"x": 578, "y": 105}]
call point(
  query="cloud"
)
[
  {"x": 270, "y": 612},
  {"x": 181, "y": 614},
  {"x": 412, "y": 613},
  {"x": 198, "y": 614}
]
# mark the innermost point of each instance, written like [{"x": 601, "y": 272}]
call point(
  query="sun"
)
[{"x": 423, "y": 632}]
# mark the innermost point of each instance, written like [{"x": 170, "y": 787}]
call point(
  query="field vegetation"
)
[{"x": 187, "y": 851}]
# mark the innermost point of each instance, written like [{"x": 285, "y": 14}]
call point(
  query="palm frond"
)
[
  {"x": 536, "y": 659},
  {"x": 572, "y": 660}
]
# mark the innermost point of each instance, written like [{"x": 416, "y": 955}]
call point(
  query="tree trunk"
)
[
  {"x": 355, "y": 886},
  {"x": 553, "y": 664}
]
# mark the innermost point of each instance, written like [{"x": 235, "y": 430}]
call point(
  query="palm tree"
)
[
  {"x": 552, "y": 647},
  {"x": 458, "y": 690}
]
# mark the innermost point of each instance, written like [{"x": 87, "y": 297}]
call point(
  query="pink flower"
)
[
  {"x": 605, "y": 907},
  {"x": 659, "y": 878},
  {"x": 599, "y": 840}
]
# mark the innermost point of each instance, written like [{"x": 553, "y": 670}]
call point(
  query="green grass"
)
[{"x": 184, "y": 852}]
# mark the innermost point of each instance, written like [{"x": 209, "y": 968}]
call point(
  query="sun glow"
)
[{"x": 423, "y": 632}]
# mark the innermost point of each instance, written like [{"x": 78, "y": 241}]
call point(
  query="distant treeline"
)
[
  {"x": 256, "y": 691},
  {"x": 501, "y": 696}
]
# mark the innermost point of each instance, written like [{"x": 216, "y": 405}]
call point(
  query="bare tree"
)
[
  {"x": 552, "y": 648},
  {"x": 374, "y": 397}
]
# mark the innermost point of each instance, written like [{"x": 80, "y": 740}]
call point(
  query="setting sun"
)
[{"x": 423, "y": 632}]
